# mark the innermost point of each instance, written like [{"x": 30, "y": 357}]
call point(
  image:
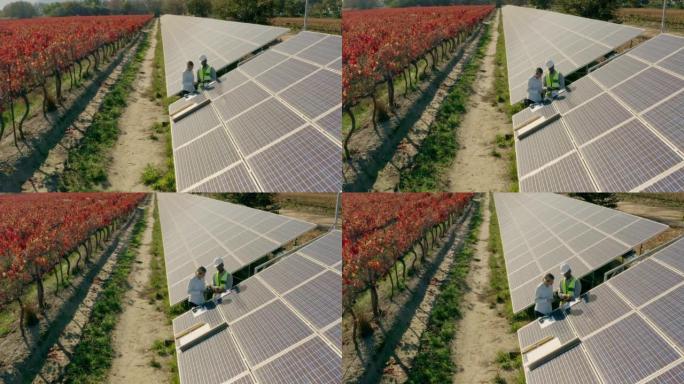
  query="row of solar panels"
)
[
  {"x": 627, "y": 330},
  {"x": 541, "y": 231},
  {"x": 224, "y": 43},
  {"x": 273, "y": 124},
  {"x": 618, "y": 128},
  {"x": 284, "y": 325},
  {"x": 534, "y": 36},
  {"x": 196, "y": 230}
]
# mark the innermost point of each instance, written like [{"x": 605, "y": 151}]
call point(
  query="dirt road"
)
[
  {"x": 140, "y": 324},
  {"x": 138, "y": 145},
  {"x": 481, "y": 332},
  {"x": 476, "y": 168}
]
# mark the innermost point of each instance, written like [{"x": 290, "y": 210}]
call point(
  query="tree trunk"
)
[
  {"x": 23, "y": 117},
  {"x": 389, "y": 273},
  {"x": 374, "y": 300},
  {"x": 351, "y": 131},
  {"x": 41, "y": 289}
]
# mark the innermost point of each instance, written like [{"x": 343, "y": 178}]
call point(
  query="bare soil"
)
[
  {"x": 140, "y": 324},
  {"x": 138, "y": 145},
  {"x": 379, "y": 155},
  {"x": 476, "y": 168},
  {"x": 387, "y": 354},
  {"x": 482, "y": 331},
  {"x": 41, "y": 355}
]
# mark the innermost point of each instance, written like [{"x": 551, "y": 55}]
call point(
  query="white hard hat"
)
[
  {"x": 203, "y": 57},
  {"x": 565, "y": 268},
  {"x": 549, "y": 64},
  {"x": 218, "y": 261}
]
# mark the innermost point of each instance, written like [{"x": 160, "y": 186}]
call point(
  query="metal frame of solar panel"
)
[
  {"x": 630, "y": 328},
  {"x": 534, "y": 36},
  {"x": 224, "y": 43},
  {"x": 197, "y": 229},
  {"x": 284, "y": 325},
  {"x": 620, "y": 128},
  {"x": 540, "y": 231},
  {"x": 273, "y": 124}
]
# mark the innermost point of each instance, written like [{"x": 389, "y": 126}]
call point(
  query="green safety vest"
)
[
  {"x": 552, "y": 80},
  {"x": 204, "y": 74},
  {"x": 568, "y": 288},
  {"x": 221, "y": 280}
]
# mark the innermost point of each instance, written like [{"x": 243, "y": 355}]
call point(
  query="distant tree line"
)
[{"x": 255, "y": 11}]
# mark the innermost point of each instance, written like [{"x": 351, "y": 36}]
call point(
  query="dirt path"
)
[
  {"x": 481, "y": 332},
  {"x": 140, "y": 324},
  {"x": 138, "y": 145},
  {"x": 475, "y": 167}
]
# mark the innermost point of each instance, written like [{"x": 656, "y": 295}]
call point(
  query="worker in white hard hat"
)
[
  {"x": 554, "y": 80},
  {"x": 222, "y": 281},
  {"x": 205, "y": 74},
  {"x": 543, "y": 297},
  {"x": 188, "y": 80},
  {"x": 570, "y": 287}
]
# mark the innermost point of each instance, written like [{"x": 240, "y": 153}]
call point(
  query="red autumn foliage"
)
[
  {"x": 380, "y": 228},
  {"x": 38, "y": 230}
]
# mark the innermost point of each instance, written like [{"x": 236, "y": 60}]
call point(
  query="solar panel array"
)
[
  {"x": 186, "y": 38},
  {"x": 283, "y": 327},
  {"x": 630, "y": 328},
  {"x": 196, "y": 230},
  {"x": 620, "y": 127},
  {"x": 540, "y": 231},
  {"x": 273, "y": 124},
  {"x": 534, "y": 36}
]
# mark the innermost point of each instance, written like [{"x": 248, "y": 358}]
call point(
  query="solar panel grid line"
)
[
  {"x": 669, "y": 374},
  {"x": 228, "y": 250},
  {"x": 249, "y": 228},
  {"x": 634, "y": 311},
  {"x": 287, "y": 57},
  {"x": 246, "y": 374},
  {"x": 515, "y": 220},
  {"x": 317, "y": 333},
  {"x": 310, "y": 121},
  {"x": 638, "y": 116},
  {"x": 252, "y": 177},
  {"x": 194, "y": 139}
]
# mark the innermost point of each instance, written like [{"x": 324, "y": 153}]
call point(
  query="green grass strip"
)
[
  {"x": 158, "y": 292},
  {"x": 87, "y": 163},
  {"x": 93, "y": 356},
  {"x": 434, "y": 362},
  {"x": 498, "y": 280},
  {"x": 439, "y": 148}
]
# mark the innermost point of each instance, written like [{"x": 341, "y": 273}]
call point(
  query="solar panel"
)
[
  {"x": 540, "y": 231},
  {"x": 196, "y": 230},
  {"x": 534, "y": 36},
  {"x": 272, "y": 338},
  {"x": 622, "y": 340},
  {"x": 280, "y": 113},
  {"x": 625, "y": 137},
  {"x": 671, "y": 376},
  {"x": 311, "y": 362},
  {"x": 224, "y": 43}
]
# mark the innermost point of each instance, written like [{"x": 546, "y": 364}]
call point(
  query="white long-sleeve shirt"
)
[
  {"x": 188, "y": 81},
  {"x": 196, "y": 288},
  {"x": 534, "y": 89},
  {"x": 543, "y": 298}
]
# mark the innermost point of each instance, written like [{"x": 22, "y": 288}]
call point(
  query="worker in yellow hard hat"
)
[
  {"x": 570, "y": 287},
  {"x": 554, "y": 81}
]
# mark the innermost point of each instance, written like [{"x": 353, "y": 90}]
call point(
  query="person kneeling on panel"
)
[{"x": 197, "y": 288}]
